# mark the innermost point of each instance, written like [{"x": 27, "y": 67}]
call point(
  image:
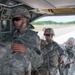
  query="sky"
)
[{"x": 58, "y": 18}]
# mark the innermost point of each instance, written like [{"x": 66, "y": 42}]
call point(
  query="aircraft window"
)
[
  {"x": 5, "y": 26},
  {"x": 64, "y": 26}
]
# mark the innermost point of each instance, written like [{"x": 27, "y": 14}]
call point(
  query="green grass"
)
[{"x": 41, "y": 27}]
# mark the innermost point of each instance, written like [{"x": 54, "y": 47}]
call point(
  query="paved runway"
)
[
  {"x": 61, "y": 34},
  {"x": 61, "y": 39}
]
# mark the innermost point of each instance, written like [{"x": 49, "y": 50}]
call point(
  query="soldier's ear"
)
[{"x": 25, "y": 19}]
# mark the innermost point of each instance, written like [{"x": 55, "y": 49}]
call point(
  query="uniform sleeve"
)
[
  {"x": 60, "y": 50},
  {"x": 34, "y": 53},
  {"x": 36, "y": 59},
  {"x": 61, "y": 54},
  {"x": 19, "y": 64},
  {"x": 32, "y": 41}
]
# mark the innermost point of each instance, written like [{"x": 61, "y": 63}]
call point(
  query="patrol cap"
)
[
  {"x": 49, "y": 31},
  {"x": 20, "y": 10}
]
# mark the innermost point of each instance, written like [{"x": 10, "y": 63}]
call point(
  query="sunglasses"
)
[
  {"x": 16, "y": 19},
  {"x": 48, "y": 35}
]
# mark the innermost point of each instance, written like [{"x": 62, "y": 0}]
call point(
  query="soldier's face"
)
[
  {"x": 49, "y": 37},
  {"x": 17, "y": 20},
  {"x": 70, "y": 45}
]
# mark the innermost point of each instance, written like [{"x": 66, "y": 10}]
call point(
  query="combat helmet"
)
[
  {"x": 71, "y": 40},
  {"x": 49, "y": 31},
  {"x": 20, "y": 10}
]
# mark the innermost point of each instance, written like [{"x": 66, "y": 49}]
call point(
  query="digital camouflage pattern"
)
[
  {"x": 5, "y": 50},
  {"x": 20, "y": 10},
  {"x": 51, "y": 55},
  {"x": 18, "y": 63},
  {"x": 21, "y": 63},
  {"x": 68, "y": 57},
  {"x": 30, "y": 39},
  {"x": 13, "y": 64}
]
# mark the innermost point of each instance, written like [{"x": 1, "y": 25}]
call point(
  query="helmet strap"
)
[{"x": 27, "y": 23}]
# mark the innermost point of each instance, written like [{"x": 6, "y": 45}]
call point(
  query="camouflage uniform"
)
[
  {"x": 13, "y": 63},
  {"x": 28, "y": 38},
  {"x": 51, "y": 56},
  {"x": 68, "y": 57},
  {"x": 21, "y": 63},
  {"x": 73, "y": 65},
  {"x": 51, "y": 52},
  {"x": 3, "y": 58}
]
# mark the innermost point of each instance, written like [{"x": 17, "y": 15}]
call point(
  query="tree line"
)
[{"x": 51, "y": 22}]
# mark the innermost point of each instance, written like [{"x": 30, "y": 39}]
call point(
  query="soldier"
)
[
  {"x": 25, "y": 41},
  {"x": 13, "y": 63},
  {"x": 51, "y": 53},
  {"x": 69, "y": 55}
]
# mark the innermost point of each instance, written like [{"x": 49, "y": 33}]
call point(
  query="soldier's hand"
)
[{"x": 18, "y": 48}]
